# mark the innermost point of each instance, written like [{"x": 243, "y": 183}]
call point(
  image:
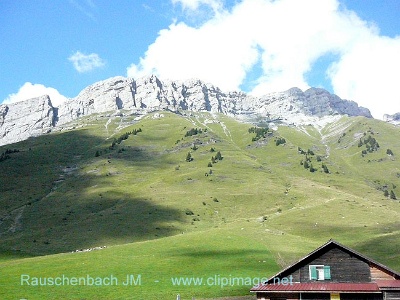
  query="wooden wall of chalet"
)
[
  {"x": 354, "y": 296},
  {"x": 392, "y": 295},
  {"x": 315, "y": 296},
  {"x": 279, "y": 296},
  {"x": 344, "y": 267}
]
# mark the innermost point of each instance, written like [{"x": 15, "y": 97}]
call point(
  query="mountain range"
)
[{"x": 120, "y": 95}]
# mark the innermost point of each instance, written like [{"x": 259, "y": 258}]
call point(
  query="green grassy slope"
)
[{"x": 249, "y": 214}]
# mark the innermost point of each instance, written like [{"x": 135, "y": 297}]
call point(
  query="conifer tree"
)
[
  {"x": 306, "y": 165},
  {"x": 218, "y": 156},
  {"x": 189, "y": 157},
  {"x": 325, "y": 168}
]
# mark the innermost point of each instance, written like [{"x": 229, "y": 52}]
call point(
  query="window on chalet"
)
[{"x": 320, "y": 272}]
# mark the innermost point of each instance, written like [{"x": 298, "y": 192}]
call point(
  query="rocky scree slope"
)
[{"x": 33, "y": 117}]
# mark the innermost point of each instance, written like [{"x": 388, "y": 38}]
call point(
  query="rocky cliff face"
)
[
  {"x": 103, "y": 96},
  {"x": 393, "y": 119},
  {"x": 148, "y": 94},
  {"x": 21, "y": 120}
]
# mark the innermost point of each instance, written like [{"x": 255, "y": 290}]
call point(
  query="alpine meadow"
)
[{"x": 155, "y": 198}]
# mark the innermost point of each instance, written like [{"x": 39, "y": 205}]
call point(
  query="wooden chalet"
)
[{"x": 332, "y": 271}]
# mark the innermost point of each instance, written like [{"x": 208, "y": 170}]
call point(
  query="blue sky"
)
[{"x": 349, "y": 47}]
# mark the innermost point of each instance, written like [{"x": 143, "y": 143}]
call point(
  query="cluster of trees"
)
[
  {"x": 370, "y": 143},
  {"x": 124, "y": 137},
  {"x": 307, "y": 161},
  {"x": 308, "y": 152},
  {"x": 6, "y": 154},
  {"x": 260, "y": 132},
  {"x": 193, "y": 131},
  {"x": 308, "y": 165},
  {"x": 119, "y": 140},
  {"x": 280, "y": 141},
  {"x": 215, "y": 159}
]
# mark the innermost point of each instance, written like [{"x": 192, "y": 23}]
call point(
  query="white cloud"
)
[
  {"x": 29, "y": 90},
  {"x": 369, "y": 73},
  {"x": 86, "y": 62},
  {"x": 184, "y": 52},
  {"x": 285, "y": 37}
]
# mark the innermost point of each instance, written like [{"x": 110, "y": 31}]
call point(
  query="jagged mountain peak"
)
[
  {"x": 393, "y": 119},
  {"x": 36, "y": 116}
]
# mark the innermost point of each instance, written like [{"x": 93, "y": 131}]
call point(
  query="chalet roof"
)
[
  {"x": 329, "y": 245},
  {"x": 388, "y": 284},
  {"x": 330, "y": 287},
  {"x": 319, "y": 287}
]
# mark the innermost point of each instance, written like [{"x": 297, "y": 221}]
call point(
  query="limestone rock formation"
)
[
  {"x": 32, "y": 117},
  {"x": 393, "y": 119},
  {"x": 103, "y": 96},
  {"x": 21, "y": 120}
]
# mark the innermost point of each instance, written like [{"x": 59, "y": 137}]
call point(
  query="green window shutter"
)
[
  {"x": 327, "y": 272},
  {"x": 313, "y": 273}
]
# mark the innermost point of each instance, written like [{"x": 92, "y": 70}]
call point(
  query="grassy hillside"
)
[{"x": 155, "y": 193}]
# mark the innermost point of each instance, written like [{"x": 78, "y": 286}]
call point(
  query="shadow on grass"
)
[
  {"x": 384, "y": 249},
  {"x": 52, "y": 207}
]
